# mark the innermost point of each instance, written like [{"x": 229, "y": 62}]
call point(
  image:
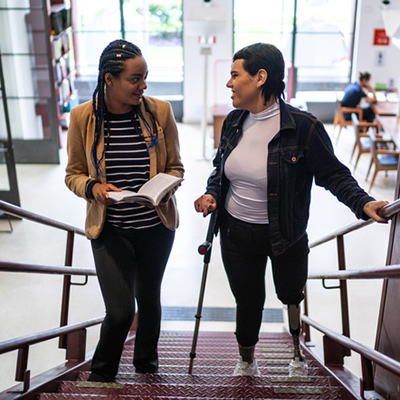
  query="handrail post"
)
[
  {"x": 333, "y": 352},
  {"x": 76, "y": 348},
  {"x": 367, "y": 380},
  {"x": 22, "y": 374},
  {"x": 66, "y": 288},
  {"x": 343, "y": 291},
  {"x": 305, "y": 327}
]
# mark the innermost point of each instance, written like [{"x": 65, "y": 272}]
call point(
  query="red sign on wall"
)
[{"x": 380, "y": 38}]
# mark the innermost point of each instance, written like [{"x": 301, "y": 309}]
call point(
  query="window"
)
[
  {"x": 264, "y": 21},
  {"x": 323, "y": 40},
  {"x": 155, "y": 27},
  {"x": 324, "y": 44}
]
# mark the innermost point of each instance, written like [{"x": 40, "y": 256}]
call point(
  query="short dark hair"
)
[
  {"x": 364, "y": 75},
  {"x": 264, "y": 56}
]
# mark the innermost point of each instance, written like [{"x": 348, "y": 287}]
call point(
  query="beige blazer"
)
[{"x": 164, "y": 157}]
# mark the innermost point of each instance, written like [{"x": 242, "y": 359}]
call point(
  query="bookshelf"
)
[
  {"x": 39, "y": 70},
  {"x": 63, "y": 54}
]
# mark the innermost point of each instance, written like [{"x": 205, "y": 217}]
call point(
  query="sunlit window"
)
[
  {"x": 323, "y": 39},
  {"x": 156, "y": 27},
  {"x": 264, "y": 21},
  {"x": 324, "y": 44}
]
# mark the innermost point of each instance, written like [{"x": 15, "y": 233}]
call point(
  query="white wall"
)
[
  {"x": 214, "y": 18},
  {"x": 369, "y": 19}
]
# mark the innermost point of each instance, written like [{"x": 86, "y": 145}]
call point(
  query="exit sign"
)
[{"x": 380, "y": 38}]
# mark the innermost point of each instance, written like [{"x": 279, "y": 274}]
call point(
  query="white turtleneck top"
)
[{"x": 246, "y": 167}]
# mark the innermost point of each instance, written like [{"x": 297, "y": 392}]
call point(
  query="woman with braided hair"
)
[{"x": 120, "y": 140}]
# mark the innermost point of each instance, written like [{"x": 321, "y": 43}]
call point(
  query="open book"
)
[{"x": 153, "y": 191}]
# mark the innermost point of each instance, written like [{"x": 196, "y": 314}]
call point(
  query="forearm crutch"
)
[{"x": 205, "y": 249}]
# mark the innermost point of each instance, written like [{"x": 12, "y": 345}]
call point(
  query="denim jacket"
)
[{"x": 300, "y": 152}]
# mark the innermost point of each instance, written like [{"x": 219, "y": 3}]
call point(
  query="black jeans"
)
[
  {"x": 130, "y": 266},
  {"x": 245, "y": 249}
]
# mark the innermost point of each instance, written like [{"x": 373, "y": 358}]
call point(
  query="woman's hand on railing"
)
[{"x": 373, "y": 208}]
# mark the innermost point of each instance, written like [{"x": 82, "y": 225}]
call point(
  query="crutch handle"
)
[{"x": 204, "y": 247}]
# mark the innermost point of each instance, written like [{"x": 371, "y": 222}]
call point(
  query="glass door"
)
[{"x": 156, "y": 28}]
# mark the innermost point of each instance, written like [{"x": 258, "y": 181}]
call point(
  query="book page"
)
[
  {"x": 152, "y": 191},
  {"x": 158, "y": 186},
  {"x": 124, "y": 194}
]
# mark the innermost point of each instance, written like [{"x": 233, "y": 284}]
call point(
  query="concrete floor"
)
[{"x": 31, "y": 303}]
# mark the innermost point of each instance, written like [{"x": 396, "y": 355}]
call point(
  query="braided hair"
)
[{"x": 112, "y": 60}]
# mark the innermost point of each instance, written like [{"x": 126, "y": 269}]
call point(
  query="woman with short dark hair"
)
[{"x": 268, "y": 156}]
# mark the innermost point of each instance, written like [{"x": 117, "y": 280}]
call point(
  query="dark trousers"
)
[
  {"x": 367, "y": 115},
  {"x": 245, "y": 249},
  {"x": 130, "y": 267}
]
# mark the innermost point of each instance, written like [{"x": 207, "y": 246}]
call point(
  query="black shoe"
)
[{"x": 96, "y": 377}]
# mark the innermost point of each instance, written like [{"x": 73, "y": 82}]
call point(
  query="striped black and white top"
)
[{"x": 127, "y": 167}]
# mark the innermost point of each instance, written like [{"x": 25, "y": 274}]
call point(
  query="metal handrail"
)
[
  {"x": 341, "y": 232},
  {"x": 391, "y": 209},
  {"x": 371, "y": 354},
  {"x": 15, "y": 344},
  {"x": 387, "y": 212},
  {"x": 19, "y": 212},
  {"x": 368, "y": 355},
  {"x": 392, "y": 271},
  {"x": 72, "y": 337},
  {"x": 8, "y": 266}
]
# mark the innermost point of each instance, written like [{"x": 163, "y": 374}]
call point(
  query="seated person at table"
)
[{"x": 357, "y": 91}]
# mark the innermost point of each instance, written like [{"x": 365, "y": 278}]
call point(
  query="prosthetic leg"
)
[{"x": 298, "y": 366}]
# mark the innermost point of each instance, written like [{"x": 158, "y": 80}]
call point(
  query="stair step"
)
[
  {"x": 126, "y": 362},
  {"x": 209, "y": 354},
  {"x": 213, "y": 380},
  {"x": 219, "y": 370},
  {"x": 244, "y": 387},
  {"x": 221, "y": 350},
  {"x": 61, "y": 396}
]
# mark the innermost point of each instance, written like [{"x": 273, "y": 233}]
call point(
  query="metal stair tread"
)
[
  {"x": 195, "y": 390},
  {"x": 62, "y": 396},
  {"x": 222, "y": 370},
  {"x": 209, "y": 354},
  {"x": 207, "y": 379},
  {"x": 213, "y": 361}
]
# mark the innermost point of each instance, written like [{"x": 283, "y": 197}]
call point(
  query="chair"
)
[
  {"x": 385, "y": 156},
  {"x": 362, "y": 138},
  {"x": 339, "y": 119}
]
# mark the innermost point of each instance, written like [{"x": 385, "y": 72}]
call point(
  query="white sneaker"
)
[
  {"x": 244, "y": 368},
  {"x": 298, "y": 367}
]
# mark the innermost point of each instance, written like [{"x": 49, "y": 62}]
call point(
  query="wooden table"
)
[
  {"x": 219, "y": 114},
  {"x": 391, "y": 125},
  {"x": 386, "y": 108}
]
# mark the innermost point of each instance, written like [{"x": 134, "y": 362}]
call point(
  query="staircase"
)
[{"x": 212, "y": 373}]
